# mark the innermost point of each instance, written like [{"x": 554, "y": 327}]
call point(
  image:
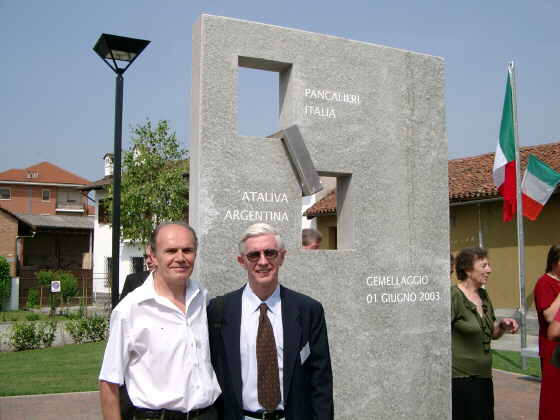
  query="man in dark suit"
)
[
  {"x": 268, "y": 343},
  {"x": 134, "y": 280}
]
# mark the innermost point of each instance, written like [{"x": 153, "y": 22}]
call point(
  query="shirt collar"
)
[
  {"x": 251, "y": 302},
  {"x": 147, "y": 291}
]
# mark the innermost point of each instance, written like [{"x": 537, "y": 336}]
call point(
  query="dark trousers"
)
[
  {"x": 472, "y": 398},
  {"x": 127, "y": 409}
]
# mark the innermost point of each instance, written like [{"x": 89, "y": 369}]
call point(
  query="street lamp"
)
[{"x": 115, "y": 50}]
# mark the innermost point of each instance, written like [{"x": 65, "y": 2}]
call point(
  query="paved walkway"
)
[
  {"x": 516, "y": 398},
  {"x": 78, "y": 405}
]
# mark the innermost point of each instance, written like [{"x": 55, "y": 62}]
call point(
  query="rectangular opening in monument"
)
[
  {"x": 330, "y": 212},
  {"x": 257, "y": 102},
  {"x": 320, "y": 216},
  {"x": 258, "y": 96}
]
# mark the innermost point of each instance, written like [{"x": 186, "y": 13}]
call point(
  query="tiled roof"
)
[
  {"x": 469, "y": 178},
  {"x": 324, "y": 207},
  {"x": 100, "y": 183},
  {"x": 43, "y": 172}
]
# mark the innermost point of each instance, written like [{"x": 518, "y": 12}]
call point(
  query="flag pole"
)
[{"x": 520, "y": 232}]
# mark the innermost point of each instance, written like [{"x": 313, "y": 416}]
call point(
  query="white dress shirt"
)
[
  {"x": 248, "y": 344},
  {"x": 160, "y": 352}
]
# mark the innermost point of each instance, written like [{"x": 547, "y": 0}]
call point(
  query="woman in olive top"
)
[{"x": 473, "y": 326}]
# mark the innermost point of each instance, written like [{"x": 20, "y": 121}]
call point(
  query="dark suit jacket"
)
[
  {"x": 132, "y": 281},
  {"x": 307, "y": 387}
]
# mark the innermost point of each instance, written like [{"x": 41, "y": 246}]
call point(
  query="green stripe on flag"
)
[
  {"x": 542, "y": 171},
  {"x": 507, "y": 139}
]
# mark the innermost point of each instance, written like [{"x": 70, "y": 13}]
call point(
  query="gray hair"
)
[
  {"x": 259, "y": 229},
  {"x": 310, "y": 235},
  {"x": 153, "y": 236}
]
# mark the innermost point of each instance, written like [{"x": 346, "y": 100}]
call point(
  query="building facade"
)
[{"x": 43, "y": 189}]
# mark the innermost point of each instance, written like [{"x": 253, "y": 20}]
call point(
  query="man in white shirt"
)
[{"x": 158, "y": 343}]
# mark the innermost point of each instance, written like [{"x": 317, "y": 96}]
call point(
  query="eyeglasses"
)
[{"x": 269, "y": 253}]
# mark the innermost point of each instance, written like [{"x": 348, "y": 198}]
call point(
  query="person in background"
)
[
  {"x": 311, "y": 239},
  {"x": 134, "y": 280},
  {"x": 473, "y": 326},
  {"x": 547, "y": 303}
]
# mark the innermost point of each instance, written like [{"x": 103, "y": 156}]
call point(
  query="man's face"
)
[
  {"x": 313, "y": 245},
  {"x": 175, "y": 254},
  {"x": 262, "y": 260}
]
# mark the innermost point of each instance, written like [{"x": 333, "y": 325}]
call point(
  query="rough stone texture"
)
[{"x": 390, "y": 360}]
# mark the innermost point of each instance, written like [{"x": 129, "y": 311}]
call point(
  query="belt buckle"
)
[{"x": 266, "y": 413}]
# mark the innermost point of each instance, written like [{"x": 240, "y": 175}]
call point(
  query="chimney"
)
[{"x": 108, "y": 159}]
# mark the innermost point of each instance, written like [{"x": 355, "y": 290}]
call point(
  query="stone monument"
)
[{"x": 373, "y": 117}]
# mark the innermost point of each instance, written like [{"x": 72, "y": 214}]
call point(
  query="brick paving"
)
[
  {"x": 78, "y": 405},
  {"x": 516, "y": 396}
]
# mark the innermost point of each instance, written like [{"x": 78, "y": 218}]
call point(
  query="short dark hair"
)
[
  {"x": 153, "y": 236},
  {"x": 466, "y": 258},
  {"x": 308, "y": 236},
  {"x": 553, "y": 257}
]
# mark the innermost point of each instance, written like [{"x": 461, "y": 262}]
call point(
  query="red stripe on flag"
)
[
  {"x": 507, "y": 191},
  {"x": 531, "y": 208}
]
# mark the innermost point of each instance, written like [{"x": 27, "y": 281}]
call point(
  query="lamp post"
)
[{"x": 113, "y": 50}]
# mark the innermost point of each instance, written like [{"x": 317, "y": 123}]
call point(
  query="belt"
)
[
  {"x": 265, "y": 415},
  {"x": 145, "y": 413}
]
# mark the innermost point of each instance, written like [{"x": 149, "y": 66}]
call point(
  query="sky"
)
[{"x": 57, "y": 97}]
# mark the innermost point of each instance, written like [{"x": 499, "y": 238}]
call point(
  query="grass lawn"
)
[
  {"x": 75, "y": 367},
  {"x": 511, "y": 361},
  {"x": 70, "y": 368}
]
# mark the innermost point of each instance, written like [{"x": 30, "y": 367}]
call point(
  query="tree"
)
[
  {"x": 5, "y": 280},
  {"x": 153, "y": 188}
]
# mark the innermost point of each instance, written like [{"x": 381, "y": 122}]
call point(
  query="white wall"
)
[{"x": 102, "y": 249}]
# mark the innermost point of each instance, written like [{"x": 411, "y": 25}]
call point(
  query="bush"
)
[
  {"x": 32, "y": 298},
  {"x": 5, "y": 280},
  {"x": 24, "y": 337},
  {"x": 46, "y": 332},
  {"x": 88, "y": 329},
  {"x": 68, "y": 284},
  {"x": 32, "y": 317},
  {"x": 45, "y": 277},
  {"x": 32, "y": 335}
]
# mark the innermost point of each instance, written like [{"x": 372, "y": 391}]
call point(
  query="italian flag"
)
[
  {"x": 538, "y": 184},
  {"x": 504, "y": 161}
]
